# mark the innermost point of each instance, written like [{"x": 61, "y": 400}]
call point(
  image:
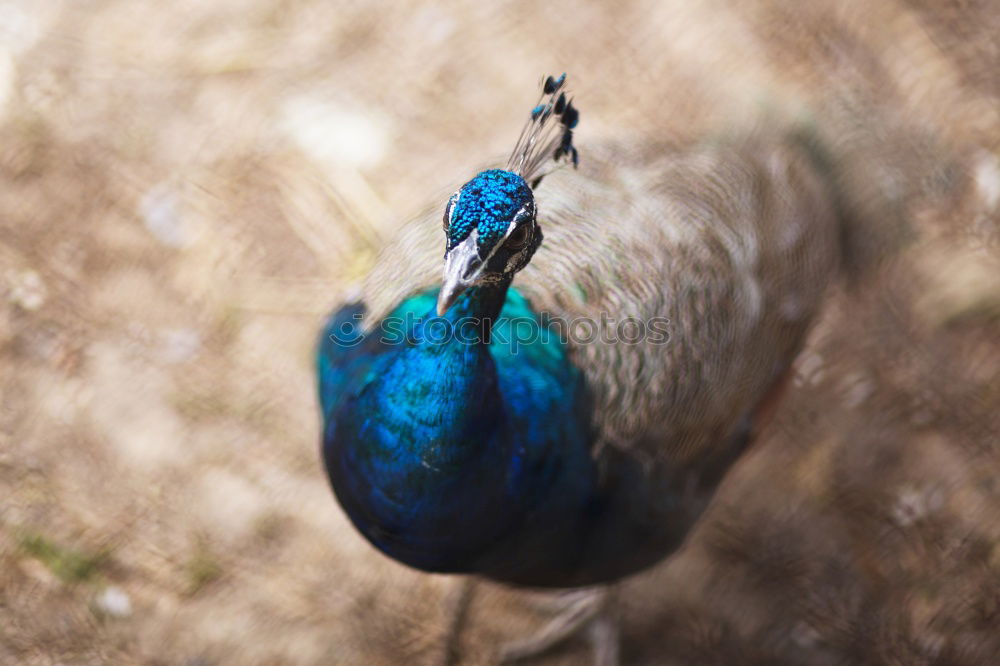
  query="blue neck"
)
[
  {"x": 463, "y": 453},
  {"x": 427, "y": 451}
]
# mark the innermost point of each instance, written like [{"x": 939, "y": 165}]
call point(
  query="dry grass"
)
[{"x": 189, "y": 186}]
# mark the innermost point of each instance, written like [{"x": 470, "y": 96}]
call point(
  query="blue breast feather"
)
[
  {"x": 470, "y": 458},
  {"x": 444, "y": 455}
]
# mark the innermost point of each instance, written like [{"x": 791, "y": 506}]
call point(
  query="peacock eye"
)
[{"x": 519, "y": 237}]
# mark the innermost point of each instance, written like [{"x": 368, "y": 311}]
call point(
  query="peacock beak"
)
[{"x": 462, "y": 267}]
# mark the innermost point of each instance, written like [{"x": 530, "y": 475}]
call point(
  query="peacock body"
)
[{"x": 567, "y": 427}]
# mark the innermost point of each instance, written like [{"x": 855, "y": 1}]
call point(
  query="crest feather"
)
[{"x": 547, "y": 134}]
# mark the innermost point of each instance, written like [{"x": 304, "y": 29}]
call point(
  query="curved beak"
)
[{"x": 462, "y": 267}]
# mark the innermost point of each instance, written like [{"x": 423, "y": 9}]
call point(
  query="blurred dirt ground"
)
[{"x": 188, "y": 186}]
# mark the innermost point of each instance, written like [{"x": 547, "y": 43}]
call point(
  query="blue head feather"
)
[{"x": 488, "y": 204}]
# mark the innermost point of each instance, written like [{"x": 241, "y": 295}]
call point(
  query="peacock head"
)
[
  {"x": 491, "y": 232},
  {"x": 490, "y": 225}
]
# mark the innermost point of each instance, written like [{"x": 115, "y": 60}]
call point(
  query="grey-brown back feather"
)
[{"x": 733, "y": 242}]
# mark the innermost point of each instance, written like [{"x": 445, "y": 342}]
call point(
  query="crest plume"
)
[{"x": 548, "y": 133}]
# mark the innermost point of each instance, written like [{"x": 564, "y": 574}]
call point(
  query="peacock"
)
[{"x": 558, "y": 414}]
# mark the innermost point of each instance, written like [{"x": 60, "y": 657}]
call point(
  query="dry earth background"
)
[{"x": 188, "y": 186}]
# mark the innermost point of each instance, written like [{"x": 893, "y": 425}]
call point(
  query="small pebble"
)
[
  {"x": 179, "y": 345},
  {"x": 160, "y": 210},
  {"x": 986, "y": 173},
  {"x": 914, "y": 504},
  {"x": 114, "y": 602},
  {"x": 27, "y": 289}
]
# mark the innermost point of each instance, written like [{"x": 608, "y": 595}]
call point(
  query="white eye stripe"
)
[
  {"x": 449, "y": 209},
  {"x": 516, "y": 222},
  {"x": 519, "y": 227}
]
